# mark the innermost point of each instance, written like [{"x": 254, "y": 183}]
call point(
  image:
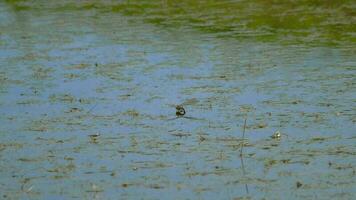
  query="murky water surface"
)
[{"x": 88, "y": 92}]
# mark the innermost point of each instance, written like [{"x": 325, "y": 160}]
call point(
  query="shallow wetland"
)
[{"x": 88, "y": 91}]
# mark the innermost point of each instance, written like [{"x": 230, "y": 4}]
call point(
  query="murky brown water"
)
[{"x": 88, "y": 93}]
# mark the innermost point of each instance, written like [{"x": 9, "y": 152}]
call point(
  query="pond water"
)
[{"x": 88, "y": 91}]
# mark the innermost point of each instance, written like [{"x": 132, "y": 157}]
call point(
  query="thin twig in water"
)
[
  {"x": 243, "y": 137},
  {"x": 244, "y": 172},
  {"x": 241, "y": 155}
]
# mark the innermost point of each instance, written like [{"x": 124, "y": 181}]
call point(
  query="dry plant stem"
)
[
  {"x": 244, "y": 173},
  {"x": 241, "y": 157},
  {"x": 243, "y": 137}
]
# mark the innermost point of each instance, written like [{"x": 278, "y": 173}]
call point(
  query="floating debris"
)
[
  {"x": 262, "y": 125},
  {"x": 299, "y": 184},
  {"x": 181, "y": 134},
  {"x": 202, "y": 138},
  {"x": 73, "y": 110},
  {"x": 132, "y": 113},
  {"x": 155, "y": 186},
  {"x": 62, "y": 98},
  {"x": 124, "y": 185}
]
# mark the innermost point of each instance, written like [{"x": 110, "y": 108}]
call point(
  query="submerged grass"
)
[{"x": 310, "y": 22}]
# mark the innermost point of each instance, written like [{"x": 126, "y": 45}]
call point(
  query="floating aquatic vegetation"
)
[
  {"x": 78, "y": 66},
  {"x": 62, "y": 98},
  {"x": 132, "y": 113},
  {"x": 84, "y": 110},
  {"x": 41, "y": 73}
]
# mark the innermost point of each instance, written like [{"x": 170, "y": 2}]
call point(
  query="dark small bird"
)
[{"x": 180, "y": 111}]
